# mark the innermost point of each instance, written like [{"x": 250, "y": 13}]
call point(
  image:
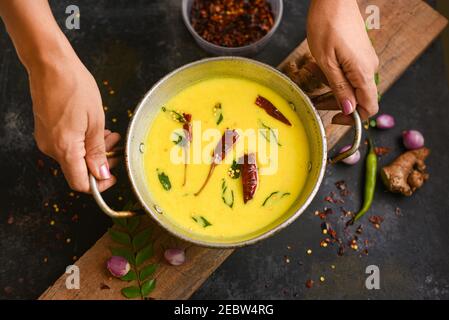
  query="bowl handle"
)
[
  {"x": 103, "y": 205},
  {"x": 356, "y": 142}
]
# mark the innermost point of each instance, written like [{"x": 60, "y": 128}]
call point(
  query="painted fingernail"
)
[
  {"x": 104, "y": 172},
  {"x": 347, "y": 106}
]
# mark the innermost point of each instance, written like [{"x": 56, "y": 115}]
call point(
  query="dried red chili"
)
[
  {"x": 187, "y": 126},
  {"x": 225, "y": 144},
  {"x": 231, "y": 23},
  {"x": 249, "y": 176},
  {"x": 271, "y": 110}
]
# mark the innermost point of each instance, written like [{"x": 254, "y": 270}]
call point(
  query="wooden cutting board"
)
[{"x": 407, "y": 29}]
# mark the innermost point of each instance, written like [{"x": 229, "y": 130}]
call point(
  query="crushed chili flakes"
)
[
  {"x": 376, "y": 221},
  {"x": 381, "y": 151},
  {"x": 104, "y": 286},
  {"x": 309, "y": 284},
  {"x": 231, "y": 23}
]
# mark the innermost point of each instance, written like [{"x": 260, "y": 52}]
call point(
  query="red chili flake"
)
[
  {"x": 325, "y": 227},
  {"x": 40, "y": 163},
  {"x": 75, "y": 218},
  {"x": 10, "y": 219},
  {"x": 376, "y": 221},
  {"x": 271, "y": 110},
  {"x": 346, "y": 213},
  {"x": 359, "y": 229},
  {"x": 333, "y": 234},
  {"x": 329, "y": 199},
  {"x": 341, "y": 250},
  {"x": 342, "y": 187},
  {"x": 231, "y": 23},
  {"x": 381, "y": 151},
  {"x": 104, "y": 286},
  {"x": 324, "y": 243},
  {"x": 309, "y": 284}
]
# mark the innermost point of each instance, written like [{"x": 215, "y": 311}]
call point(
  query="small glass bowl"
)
[{"x": 248, "y": 50}]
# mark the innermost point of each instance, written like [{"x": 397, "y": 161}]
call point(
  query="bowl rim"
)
[
  {"x": 264, "y": 235},
  {"x": 231, "y": 50}
]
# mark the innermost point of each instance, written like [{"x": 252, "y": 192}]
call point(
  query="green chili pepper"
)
[{"x": 370, "y": 181}]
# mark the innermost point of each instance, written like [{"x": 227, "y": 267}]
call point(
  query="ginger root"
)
[{"x": 406, "y": 173}]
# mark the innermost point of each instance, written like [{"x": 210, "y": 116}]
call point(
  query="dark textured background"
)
[{"x": 132, "y": 45}]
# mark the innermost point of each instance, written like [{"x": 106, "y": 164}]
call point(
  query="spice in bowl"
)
[{"x": 232, "y": 23}]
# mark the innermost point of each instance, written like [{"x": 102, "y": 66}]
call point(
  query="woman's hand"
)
[
  {"x": 68, "y": 113},
  {"x": 69, "y": 121},
  {"x": 339, "y": 42}
]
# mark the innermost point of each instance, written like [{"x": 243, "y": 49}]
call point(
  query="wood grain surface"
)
[{"x": 407, "y": 29}]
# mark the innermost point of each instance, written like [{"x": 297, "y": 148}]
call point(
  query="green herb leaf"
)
[
  {"x": 147, "y": 271},
  {"x": 164, "y": 180},
  {"x": 218, "y": 112},
  {"x": 130, "y": 276},
  {"x": 119, "y": 237},
  {"x": 133, "y": 223},
  {"x": 269, "y": 197},
  {"x": 125, "y": 253},
  {"x": 131, "y": 205},
  {"x": 220, "y": 118},
  {"x": 178, "y": 139},
  {"x": 377, "y": 78},
  {"x": 131, "y": 292},
  {"x": 227, "y": 195},
  {"x": 141, "y": 239},
  {"x": 271, "y": 134},
  {"x": 144, "y": 254},
  {"x": 148, "y": 287},
  {"x": 202, "y": 221},
  {"x": 120, "y": 222},
  {"x": 273, "y": 197}
]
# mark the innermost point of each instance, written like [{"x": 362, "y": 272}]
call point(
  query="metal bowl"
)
[
  {"x": 248, "y": 50},
  {"x": 184, "y": 77}
]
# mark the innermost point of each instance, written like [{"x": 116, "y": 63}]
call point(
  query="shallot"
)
[
  {"x": 118, "y": 266},
  {"x": 175, "y": 257},
  {"x": 412, "y": 139},
  {"x": 353, "y": 159},
  {"x": 385, "y": 121}
]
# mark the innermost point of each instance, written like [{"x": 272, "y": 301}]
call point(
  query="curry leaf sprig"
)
[{"x": 136, "y": 247}]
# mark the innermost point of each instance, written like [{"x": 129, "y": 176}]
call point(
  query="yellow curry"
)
[{"x": 180, "y": 148}]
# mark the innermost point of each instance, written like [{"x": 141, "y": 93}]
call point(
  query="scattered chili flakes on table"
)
[
  {"x": 376, "y": 221},
  {"x": 381, "y": 151},
  {"x": 309, "y": 284},
  {"x": 231, "y": 23}
]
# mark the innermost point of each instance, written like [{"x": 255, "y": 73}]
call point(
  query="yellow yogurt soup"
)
[{"x": 218, "y": 212}]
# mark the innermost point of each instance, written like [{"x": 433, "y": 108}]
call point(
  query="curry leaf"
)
[
  {"x": 125, "y": 253},
  {"x": 133, "y": 223},
  {"x": 131, "y": 292},
  {"x": 147, "y": 271},
  {"x": 120, "y": 222},
  {"x": 130, "y": 276},
  {"x": 144, "y": 254},
  {"x": 141, "y": 238},
  {"x": 148, "y": 287},
  {"x": 164, "y": 180},
  {"x": 120, "y": 237}
]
